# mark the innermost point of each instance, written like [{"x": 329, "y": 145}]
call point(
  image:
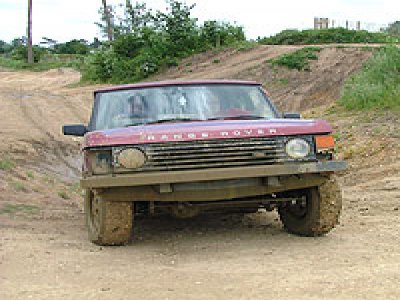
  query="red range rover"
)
[{"x": 190, "y": 147}]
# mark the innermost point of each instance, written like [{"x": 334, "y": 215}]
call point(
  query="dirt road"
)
[{"x": 44, "y": 252}]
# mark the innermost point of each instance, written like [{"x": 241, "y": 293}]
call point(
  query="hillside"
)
[{"x": 291, "y": 90}]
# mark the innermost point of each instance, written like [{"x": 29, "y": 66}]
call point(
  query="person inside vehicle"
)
[
  {"x": 137, "y": 106},
  {"x": 134, "y": 109}
]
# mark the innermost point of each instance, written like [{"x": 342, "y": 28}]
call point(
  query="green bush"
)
[
  {"x": 298, "y": 59},
  {"x": 377, "y": 85},
  {"x": 216, "y": 34},
  {"x": 21, "y": 53},
  {"x": 107, "y": 66},
  {"x": 72, "y": 47},
  {"x": 99, "y": 66},
  {"x": 128, "y": 45},
  {"x": 327, "y": 36}
]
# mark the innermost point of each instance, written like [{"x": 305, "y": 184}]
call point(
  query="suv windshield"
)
[{"x": 180, "y": 103}]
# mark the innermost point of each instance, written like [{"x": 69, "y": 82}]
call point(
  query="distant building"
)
[{"x": 321, "y": 23}]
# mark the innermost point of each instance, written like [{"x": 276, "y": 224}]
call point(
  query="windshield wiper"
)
[
  {"x": 240, "y": 117},
  {"x": 135, "y": 124},
  {"x": 173, "y": 120},
  {"x": 170, "y": 120}
]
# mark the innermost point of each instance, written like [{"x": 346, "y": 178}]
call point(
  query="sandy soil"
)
[{"x": 44, "y": 252}]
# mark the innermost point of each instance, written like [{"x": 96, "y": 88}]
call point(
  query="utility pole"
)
[
  {"x": 108, "y": 21},
  {"x": 29, "y": 33}
]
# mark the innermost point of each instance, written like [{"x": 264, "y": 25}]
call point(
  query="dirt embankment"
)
[
  {"x": 44, "y": 253},
  {"x": 291, "y": 90}
]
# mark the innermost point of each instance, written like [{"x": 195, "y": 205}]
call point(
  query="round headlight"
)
[
  {"x": 131, "y": 158},
  {"x": 297, "y": 148}
]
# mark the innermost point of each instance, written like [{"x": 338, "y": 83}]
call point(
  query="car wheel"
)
[
  {"x": 108, "y": 223},
  {"x": 317, "y": 213}
]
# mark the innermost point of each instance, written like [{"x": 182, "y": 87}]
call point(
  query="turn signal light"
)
[{"x": 324, "y": 142}]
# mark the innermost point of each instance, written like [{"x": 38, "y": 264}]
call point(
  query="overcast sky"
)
[{"x": 64, "y": 20}]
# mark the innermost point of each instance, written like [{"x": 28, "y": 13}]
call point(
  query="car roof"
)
[{"x": 172, "y": 83}]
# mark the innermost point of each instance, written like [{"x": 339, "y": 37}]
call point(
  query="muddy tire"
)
[
  {"x": 318, "y": 215},
  {"x": 108, "y": 223}
]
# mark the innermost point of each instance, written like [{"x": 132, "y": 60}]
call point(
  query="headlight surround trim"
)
[
  {"x": 98, "y": 161},
  {"x": 298, "y": 148},
  {"x": 130, "y": 158}
]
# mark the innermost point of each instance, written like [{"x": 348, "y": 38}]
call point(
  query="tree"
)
[
  {"x": 136, "y": 17},
  {"x": 215, "y": 34},
  {"x": 95, "y": 44},
  {"x": 29, "y": 33},
  {"x": 393, "y": 29},
  {"x": 107, "y": 15},
  {"x": 133, "y": 20},
  {"x": 72, "y": 47},
  {"x": 180, "y": 28},
  {"x": 4, "y": 47},
  {"x": 19, "y": 42}
]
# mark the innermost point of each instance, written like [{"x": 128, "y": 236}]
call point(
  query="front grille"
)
[{"x": 214, "y": 154}]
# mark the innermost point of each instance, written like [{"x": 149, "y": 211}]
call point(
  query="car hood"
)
[{"x": 204, "y": 130}]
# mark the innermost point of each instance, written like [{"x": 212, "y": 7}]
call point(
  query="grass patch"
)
[
  {"x": 75, "y": 188},
  {"x": 299, "y": 59},
  {"x": 281, "y": 81},
  {"x": 337, "y": 136},
  {"x": 7, "y": 164},
  {"x": 19, "y": 208},
  {"x": 48, "y": 179},
  {"x": 48, "y": 62},
  {"x": 245, "y": 46},
  {"x": 327, "y": 36},
  {"x": 377, "y": 85},
  {"x": 63, "y": 195},
  {"x": 277, "y": 81},
  {"x": 30, "y": 174},
  {"x": 367, "y": 48},
  {"x": 380, "y": 130},
  {"x": 19, "y": 187}
]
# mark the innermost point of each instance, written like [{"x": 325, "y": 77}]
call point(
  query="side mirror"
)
[
  {"x": 291, "y": 116},
  {"x": 76, "y": 130}
]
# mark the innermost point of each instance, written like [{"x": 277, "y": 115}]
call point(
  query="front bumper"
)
[{"x": 171, "y": 177}]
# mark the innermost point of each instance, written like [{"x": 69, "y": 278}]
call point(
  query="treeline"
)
[
  {"x": 17, "y": 49},
  {"x": 146, "y": 42}
]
